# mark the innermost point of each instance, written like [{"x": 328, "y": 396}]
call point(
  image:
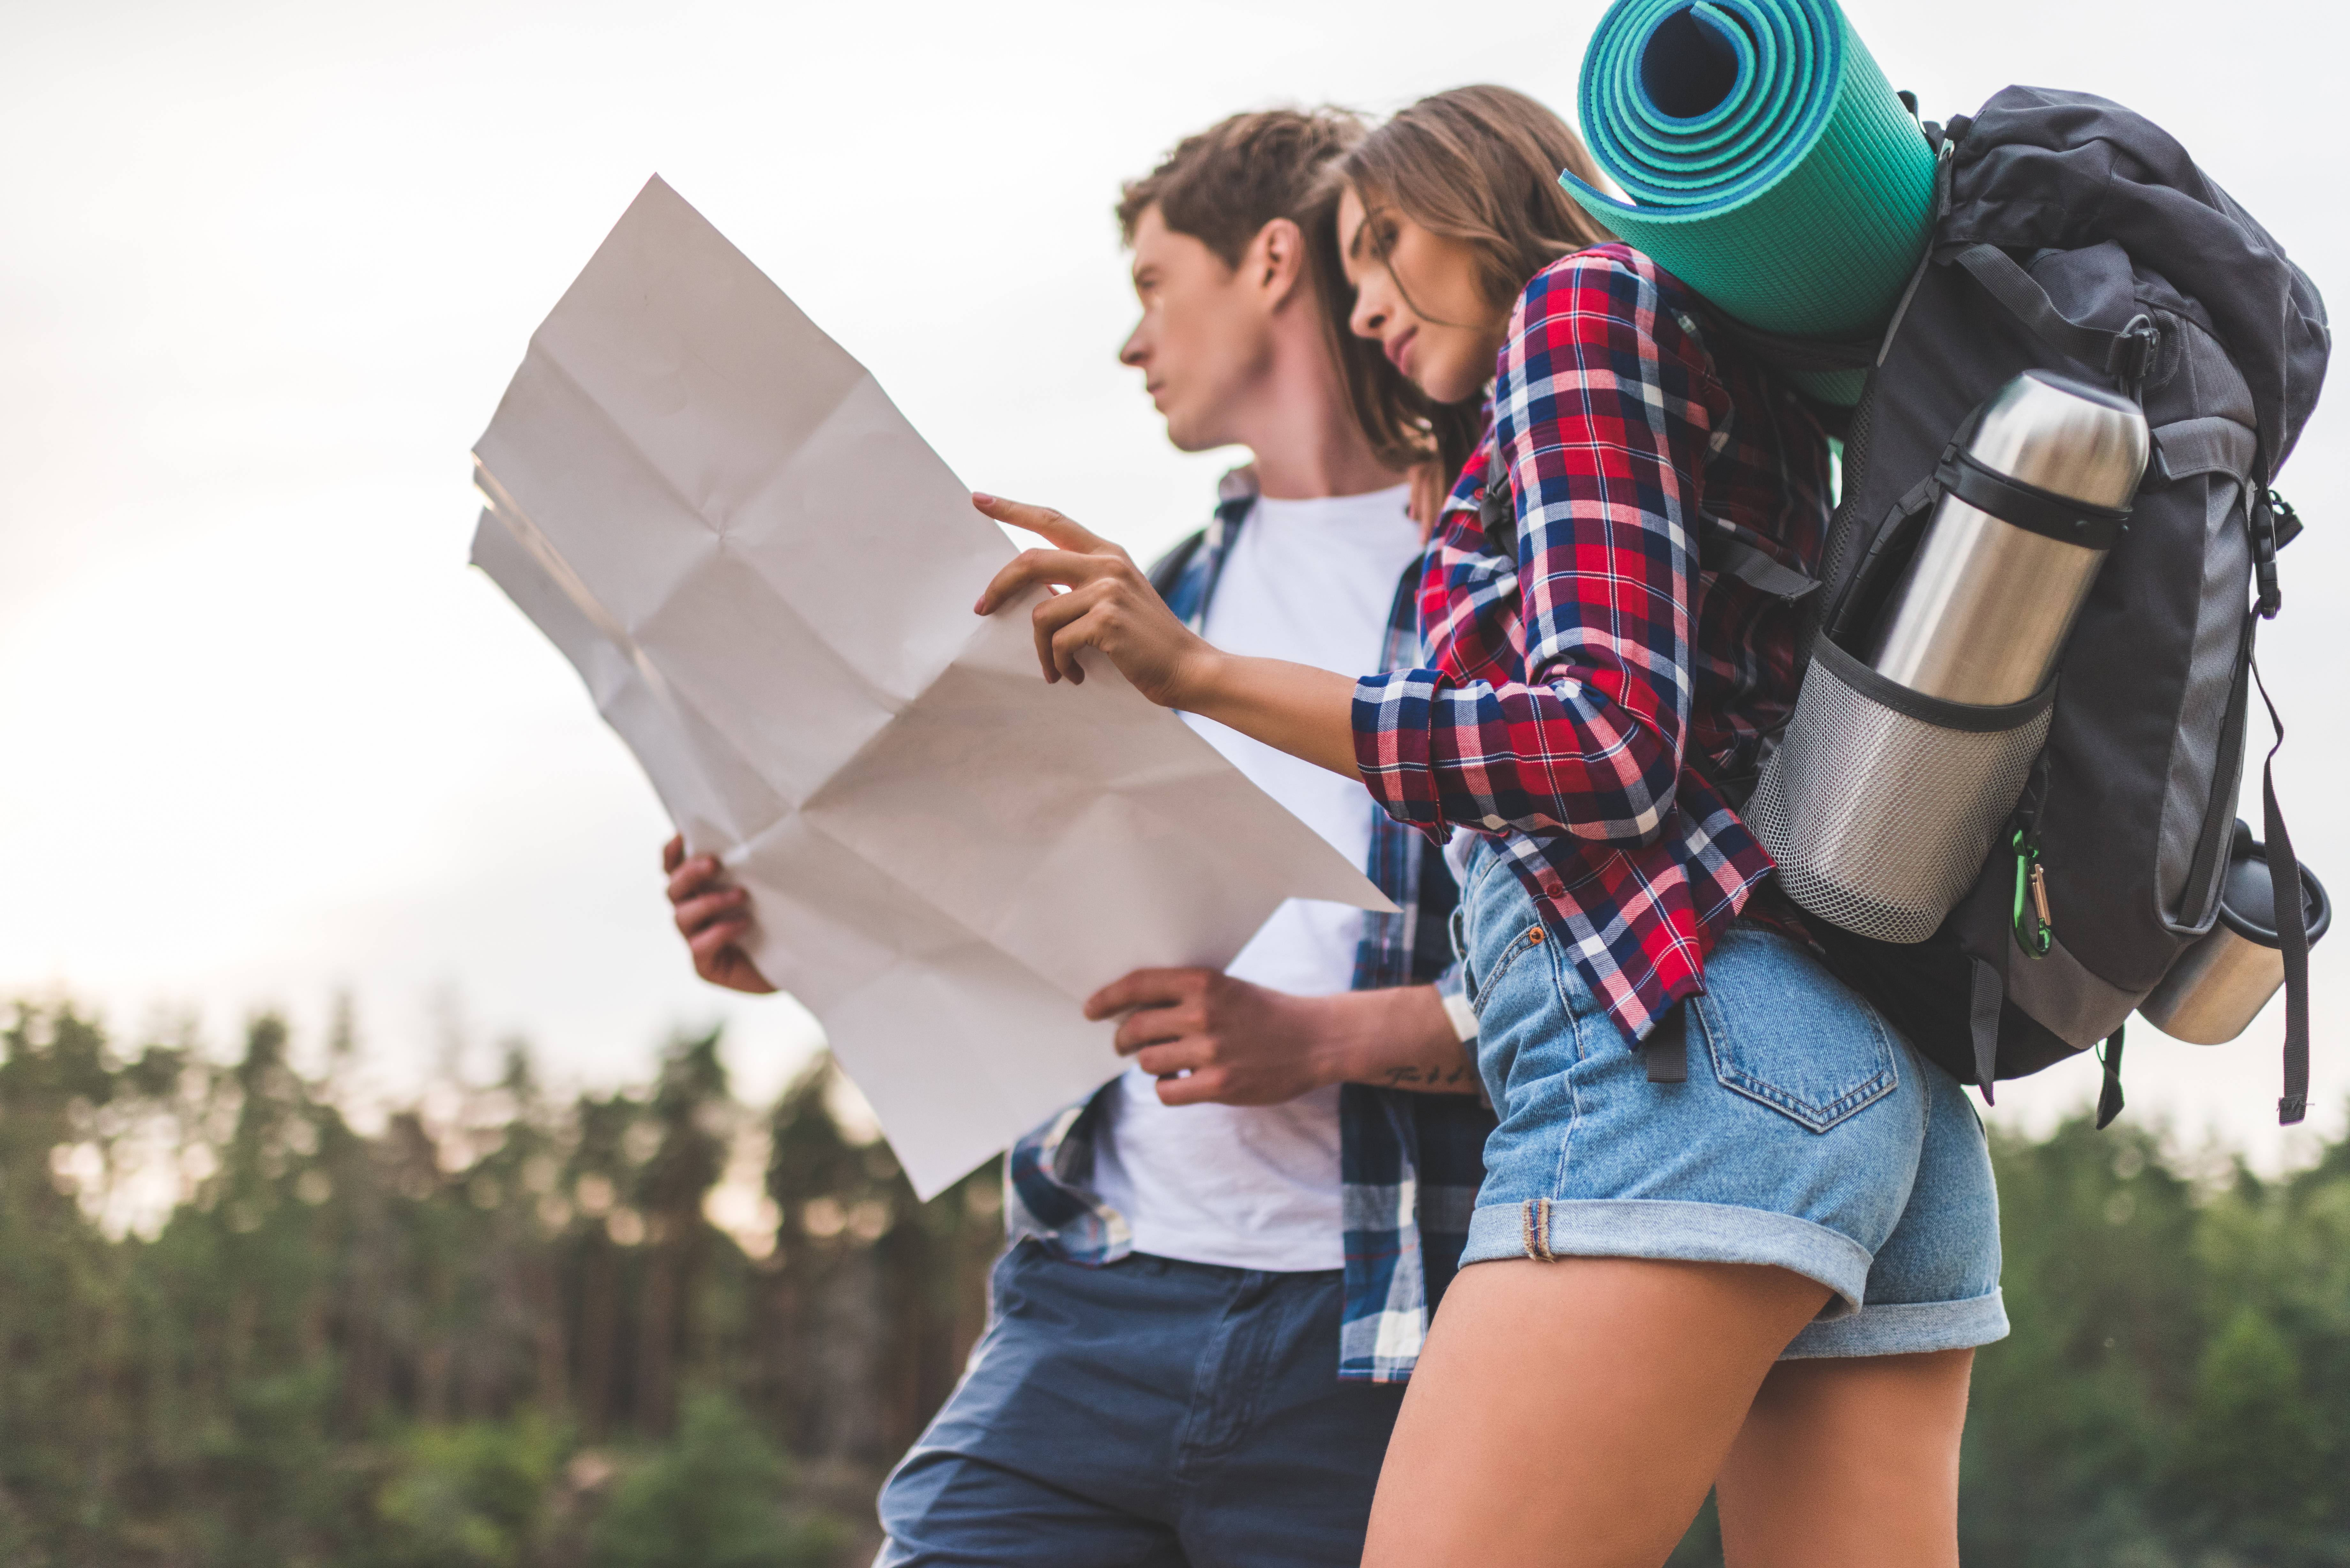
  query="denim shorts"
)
[{"x": 1808, "y": 1134}]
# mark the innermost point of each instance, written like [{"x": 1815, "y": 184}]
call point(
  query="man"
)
[{"x": 1223, "y": 1263}]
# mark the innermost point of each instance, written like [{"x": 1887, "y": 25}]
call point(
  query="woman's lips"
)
[{"x": 1399, "y": 347}]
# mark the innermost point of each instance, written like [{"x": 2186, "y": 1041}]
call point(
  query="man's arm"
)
[
  {"x": 1246, "y": 1045},
  {"x": 1242, "y": 1045},
  {"x": 712, "y": 916}
]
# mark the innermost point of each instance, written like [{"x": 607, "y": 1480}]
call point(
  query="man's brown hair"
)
[
  {"x": 1477, "y": 164},
  {"x": 1224, "y": 185}
]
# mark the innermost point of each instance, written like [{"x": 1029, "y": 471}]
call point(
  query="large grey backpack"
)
[{"x": 2077, "y": 237}]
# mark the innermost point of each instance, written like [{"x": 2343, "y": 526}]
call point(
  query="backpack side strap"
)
[
  {"x": 2211, "y": 444},
  {"x": 1986, "y": 994},
  {"x": 2291, "y": 926},
  {"x": 2127, "y": 355},
  {"x": 1725, "y": 552},
  {"x": 2109, "y": 1092}
]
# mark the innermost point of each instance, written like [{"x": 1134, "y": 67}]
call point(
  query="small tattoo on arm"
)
[{"x": 1437, "y": 1077}]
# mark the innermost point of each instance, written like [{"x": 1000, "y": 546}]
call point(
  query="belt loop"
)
[{"x": 1535, "y": 1225}]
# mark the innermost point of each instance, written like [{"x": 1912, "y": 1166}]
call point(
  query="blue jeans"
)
[
  {"x": 1151, "y": 1413},
  {"x": 1808, "y": 1135}
]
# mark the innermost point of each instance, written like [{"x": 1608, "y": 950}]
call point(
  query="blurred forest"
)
[{"x": 243, "y": 1323}]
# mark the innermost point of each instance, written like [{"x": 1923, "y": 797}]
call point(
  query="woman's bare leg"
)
[
  {"x": 1847, "y": 1462},
  {"x": 1575, "y": 1413}
]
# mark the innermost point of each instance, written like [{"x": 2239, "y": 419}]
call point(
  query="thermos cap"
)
[
  {"x": 2247, "y": 897},
  {"x": 2065, "y": 437}
]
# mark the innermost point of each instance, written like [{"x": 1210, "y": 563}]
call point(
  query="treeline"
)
[
  {"x": 237, "y": 1329},
  {"x": 509, "y": 1333}
]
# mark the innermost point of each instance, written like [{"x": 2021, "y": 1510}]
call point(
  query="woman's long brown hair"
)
[{"x": 1477, "y": 164}]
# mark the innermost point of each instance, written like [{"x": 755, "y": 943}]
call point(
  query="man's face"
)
[{"x": 1205, "y": 336}]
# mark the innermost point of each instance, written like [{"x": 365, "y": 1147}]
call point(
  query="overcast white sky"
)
[{"x": 267, "y": 267}]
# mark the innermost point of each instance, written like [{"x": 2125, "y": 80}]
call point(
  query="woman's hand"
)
[{"x": 1110, "y": 606}]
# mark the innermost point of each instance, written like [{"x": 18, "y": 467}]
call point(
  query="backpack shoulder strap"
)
[
  {"x": 1497, "y": 515},
  {"x": 1718, "y": 550}
]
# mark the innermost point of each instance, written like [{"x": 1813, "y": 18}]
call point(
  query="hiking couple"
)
[{"x": 1698, "y": 1217}]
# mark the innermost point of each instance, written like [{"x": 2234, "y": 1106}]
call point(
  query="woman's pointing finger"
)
[{"x": 1043, "y": 520}]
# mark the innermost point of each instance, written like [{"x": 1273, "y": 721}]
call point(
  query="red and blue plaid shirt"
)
[{"x": 1575, "y": 686}]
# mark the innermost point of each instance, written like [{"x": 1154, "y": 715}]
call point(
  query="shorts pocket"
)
[
  {"x": 1483, "y": 978},
  {"x": 1786, "y": 1033}
]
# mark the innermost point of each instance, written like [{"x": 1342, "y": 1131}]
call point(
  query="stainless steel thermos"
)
[
  {"x": 1981, "y": 614},
  {"x": 1905, "y": 755},
  {"x": 2218, "y": 986}
]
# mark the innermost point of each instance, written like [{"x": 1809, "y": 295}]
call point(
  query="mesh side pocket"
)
[{"x": 1880, "y": 804}]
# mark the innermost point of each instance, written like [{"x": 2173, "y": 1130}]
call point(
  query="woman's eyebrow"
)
[{"x": 1355, "y": 240}]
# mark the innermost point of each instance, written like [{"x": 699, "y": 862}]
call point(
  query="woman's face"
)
[{"x": 1416, "y": 293}]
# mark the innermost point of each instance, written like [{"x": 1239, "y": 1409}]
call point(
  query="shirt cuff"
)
[
  {"x": 1452, "y": 991},
  {"x": 1463, "y": 1016},
  {"x": 1390, "y": 718}
]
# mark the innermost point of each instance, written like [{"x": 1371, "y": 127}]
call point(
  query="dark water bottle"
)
[{"x": 2214, "y": 988}]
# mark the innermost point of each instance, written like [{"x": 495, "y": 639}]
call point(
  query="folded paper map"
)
[{"x": 765, "y": 577}]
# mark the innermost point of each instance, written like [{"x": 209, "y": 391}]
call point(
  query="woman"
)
[{"x": 1733, "y": 1231}]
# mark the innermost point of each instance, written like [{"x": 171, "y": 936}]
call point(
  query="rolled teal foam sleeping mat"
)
[{"x": 1771, "y": 165}]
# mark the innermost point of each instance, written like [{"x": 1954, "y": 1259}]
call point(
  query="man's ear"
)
[{"x": 1275, "y": 262}]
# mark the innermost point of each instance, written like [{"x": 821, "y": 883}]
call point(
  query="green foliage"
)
[
  {"x": 240, "y": 1329},
  {"x": 469, "y": 1496},
  {"x": 709, "y": 1500},
  {"x": 1701, "y": 1547},
  {"x": 2250, "y": 1445},
  {"x": 2177, "y": 1390}
]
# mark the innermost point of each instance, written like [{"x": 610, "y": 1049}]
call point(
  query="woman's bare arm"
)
[{"x": 1111, "y": 606}]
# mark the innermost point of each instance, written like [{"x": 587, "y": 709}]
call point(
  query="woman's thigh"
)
[
  {"x": 1575, "y": 1413},
  {"x": 1849, "y": 1463}
]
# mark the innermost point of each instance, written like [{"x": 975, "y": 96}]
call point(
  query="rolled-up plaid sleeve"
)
[{"x": 1605, "y": 410}]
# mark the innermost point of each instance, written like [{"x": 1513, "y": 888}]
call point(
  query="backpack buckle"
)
[
  {"x": 2288, "y": 520},
  {"x": 2263, "y": 521},
  {"x": 2132, "y": 355}
]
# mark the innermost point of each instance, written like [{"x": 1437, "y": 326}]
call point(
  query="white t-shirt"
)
[{"x": 1256, "y": 1187}]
